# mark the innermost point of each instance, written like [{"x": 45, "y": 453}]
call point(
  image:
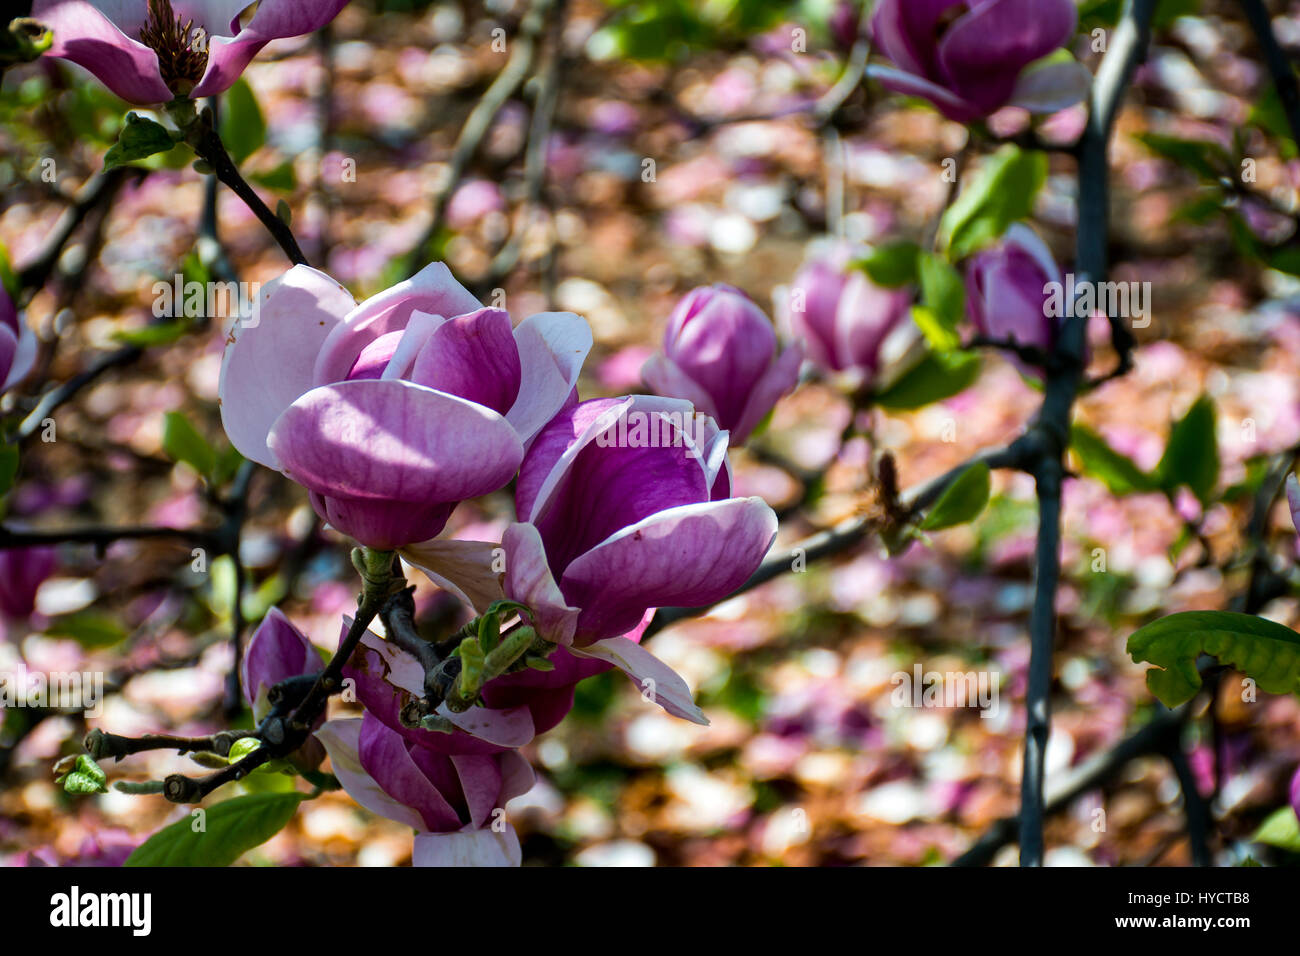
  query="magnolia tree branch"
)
[
  {"x": 206, "y": 143},
  {"x": 1051, "y": 429}
]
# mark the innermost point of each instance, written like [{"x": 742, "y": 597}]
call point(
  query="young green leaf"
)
[
  {"x": 893, "y": 265},
  {"x": 242, "y": 126},
  {"x": 85, "y": 777},
  {"x": 1119, "y": 473},
  {"x": 938, "y": 376},
  {"x": 1263, "y": 650},
  {"x": 8, "y": 466},
  {"x": 139, "y": 139},
  {"x": 1281, "y": 829},
  {"x": 943, "y": 297},
  {"x": 231, "y": 828},
  {"x": 1192, "y": 456},
  {"x": 1001, "y": 193},
  {"x": 90, "y": 629},
  {"x": 962, "y": 501},
  {"x": 182, "y": 442}
]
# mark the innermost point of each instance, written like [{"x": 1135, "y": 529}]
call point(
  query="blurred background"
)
[{"x": 648, "y": 148}]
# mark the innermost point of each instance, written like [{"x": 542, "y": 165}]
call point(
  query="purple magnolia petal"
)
[
  {"x": 904, "y": 30},
  {"x": 508, "y": 727},
  {"x": 473, "y": 356},
  {"x": 465, "y": 568},
  {"x": 552, "y": 347},
  {"x": 909, "y": 84},
  {"x": 665, "y": 377},
  {"x": 866, "y": 316},
  {"x": 480, "y": 782},
  {"x": 268, "y": 364},
  {"x": 684, "y": 557},
  {"x": 778, "y": 380},
  {"x": 470, "y": 848},
  {"x": 517, "y": 776},
  {"x": 22, "y": 358},
  {"x": 1052, "y": 85},
  {"x": 86, "y": 36},
  {"x": 8, "y": 350},
  {"x": 390, "y": 458},
  {"x": 721, "y": 340},
  {"x": 227, "y": 57},
  {"x": 342, "y": 740},
  {"x": 608, "y": 488},
  {"x": 277, "y": 651},
  {"x": 984, "y": 51},
  {"x": 529, "y": 581},
  {"x": 567, "y": 431},
  {"x": 432, "y": 291},
  {"x": 655, "y": 678},
  {"x": 1295, "y": 792},
  {"x": 387, "y": 757},
  {"x": 814, "y": 300}
]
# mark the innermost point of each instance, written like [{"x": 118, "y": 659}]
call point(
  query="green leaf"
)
[
  {"x": 281, "y": 179},
  {"x": 1191, "y": 457},
  {"x": 893, "y": 265},
  {"x": 938, "y": 376},
  {"x": 962, "y": 501},
  {"x": 1281, "y": 829},
  {"x": 1001, "y": 193},
  {"x": 88, "y": 628},
  {"x": 1261, "y": 649},
  {"x": 943, "y": 297},
  {"x": 1207, "y": 159},
  {"x": 8, "y": 277},
  {"x": 182, "y": 442},
  {"x": 162, "y": 334},
  {"x": 242, "y": 126},
  {"x": 8, "y": 466},
  {"x": 1119, "y": 473},
  {"x": 232, "y": 827},
  {"x": 139, "y": 139}
]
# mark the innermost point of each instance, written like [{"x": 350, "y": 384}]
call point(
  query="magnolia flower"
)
[
  {"x": 1007, "y": 290},
  {"x": 277, "y": 651},
  {"x": 720, "y": 353},
  {"x": 970, "y": 58},
  {"x": 625, "y": 505},
  {"x": 453, "y": 802},
  {"x": 393, "y": 411},
  {"x": 22, "y": 571},
  {"x": 517, "y": 707},
  {"x": 151, "y": 51},
  {"x": 842, "y": 317},
  {"x": 1295, "y": 792},
  {"x": 17, "y": 345}
]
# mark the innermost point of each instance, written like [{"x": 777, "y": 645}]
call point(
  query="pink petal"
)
[
  {"x": 392, "y": 457},
  {"x": 665, "y": 377},
  {"x": 432, "y": 291},
  {"x": 468, "y": 848},
  {"x": 85, "y": 36},
  {"x": 650, "y": 674},
  {"x": 227, "y": 57},
  {"x": 781, "y": 378},
  {"x": 462, "y": 567},
  {"x": 529, "y": 581},
  {"x": 268, "y": 364},
  {"x": 552, "y": 347},
  {"x": 473, "y": 356},
  {"x": 342, "y": 742},
  {"x": 683, "y": 557}
]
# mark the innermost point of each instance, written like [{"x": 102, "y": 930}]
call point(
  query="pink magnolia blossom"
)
[
  {"x": 452, "y": 801},
  {"x": 842, "y": 317},
  {"x": 720, "y": 353},
  {"x": 151, "y": 51},
  {"x": 970, "y": 58},
  {"x": 1006, "y": 294},
  {"x": 625, "y": 507},
  {"x": 393, "y": 411},
  {"x": 276, "y": 652}
]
